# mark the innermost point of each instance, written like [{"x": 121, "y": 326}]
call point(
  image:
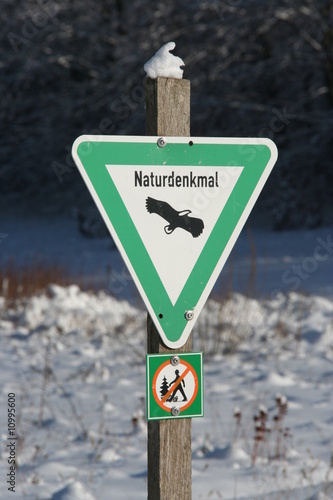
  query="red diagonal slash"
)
[{"x": 176, "y": 384}]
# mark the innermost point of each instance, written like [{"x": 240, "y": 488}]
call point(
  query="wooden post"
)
[{"x": 169, "y": 441}]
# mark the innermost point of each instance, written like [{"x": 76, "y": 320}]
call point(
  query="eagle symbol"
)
[{"x": 174, "y": 218}]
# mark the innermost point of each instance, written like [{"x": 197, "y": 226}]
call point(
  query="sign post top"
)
[{"x": 175, "y": 207}]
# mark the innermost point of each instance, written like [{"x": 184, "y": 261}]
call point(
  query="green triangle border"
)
[{"x": 94, "y": 153}]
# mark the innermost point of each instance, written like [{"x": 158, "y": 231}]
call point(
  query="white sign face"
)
[
  {"x": 169, "y": 392},
  {"x": 174, "y": 253},
  {"x": 175, "y": 212}
]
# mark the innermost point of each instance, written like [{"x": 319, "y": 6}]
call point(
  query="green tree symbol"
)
[{"x": 164, "y": 387}]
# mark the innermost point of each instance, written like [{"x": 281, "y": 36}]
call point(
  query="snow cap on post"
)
[{"x": 165, "y": 64}]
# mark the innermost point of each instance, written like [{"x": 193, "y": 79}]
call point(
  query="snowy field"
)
[{"x": 76, "y": 362}]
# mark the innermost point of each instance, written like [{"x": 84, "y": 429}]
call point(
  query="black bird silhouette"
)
[{"x": 176, "y": 219}]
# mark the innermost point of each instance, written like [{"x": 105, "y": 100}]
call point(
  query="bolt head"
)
[
  {"x": 161, "y": 142},
  {"x": 175, "y": 360},
  {"x": 189, "y": 315},
  {"x": 175, "y": 411}
]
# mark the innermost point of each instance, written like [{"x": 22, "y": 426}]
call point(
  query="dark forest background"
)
[{"x": 257, "y": 68}]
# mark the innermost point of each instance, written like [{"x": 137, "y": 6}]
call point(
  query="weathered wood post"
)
[{"x": 169, "y": 441}]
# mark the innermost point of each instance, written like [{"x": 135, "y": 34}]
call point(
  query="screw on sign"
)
[
  {"x": 174, "y": 386},
  {"x": 175, "y": 360}
]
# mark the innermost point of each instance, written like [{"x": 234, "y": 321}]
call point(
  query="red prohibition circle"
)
[{"x": 196, "y": 385}]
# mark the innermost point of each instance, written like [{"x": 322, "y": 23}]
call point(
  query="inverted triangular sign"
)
[{"x": 175, "y": 208}]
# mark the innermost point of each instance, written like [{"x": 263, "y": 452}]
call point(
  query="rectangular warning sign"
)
[{"x": 174, "y": 386}]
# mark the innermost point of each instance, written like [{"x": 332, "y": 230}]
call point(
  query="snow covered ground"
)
[{"x": 76, "y": 362}]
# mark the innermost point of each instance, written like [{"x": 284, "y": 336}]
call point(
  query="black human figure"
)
[{"x": 178, "y": 388}]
